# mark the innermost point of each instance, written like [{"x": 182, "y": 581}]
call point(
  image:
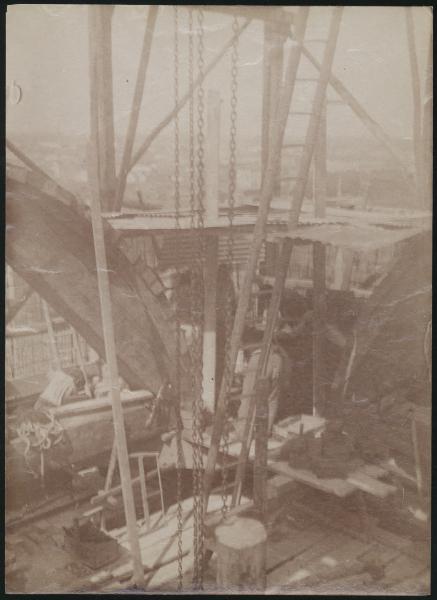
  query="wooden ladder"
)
[
  {"x": 281, "y": 269},
  {"x": 283, "y": 110}
]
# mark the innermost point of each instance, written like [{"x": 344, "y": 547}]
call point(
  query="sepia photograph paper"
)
[{"x": 218, "y": 299}]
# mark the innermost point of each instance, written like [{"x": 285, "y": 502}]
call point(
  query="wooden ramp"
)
[{"x": 50, "y": 245}]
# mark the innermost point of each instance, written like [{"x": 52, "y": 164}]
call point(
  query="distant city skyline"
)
[{"x": 47, "y": 56}]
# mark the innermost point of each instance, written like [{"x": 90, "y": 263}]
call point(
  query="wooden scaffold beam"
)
[
  {"x": 99, "y": 40},
  {"x": 136, "y": 103},
  {"x": 417, "y": 108},
  {"x": 102, "y": 107},
  {"x": 349, "y": 99},
  {"x": 319, "y": 268}
]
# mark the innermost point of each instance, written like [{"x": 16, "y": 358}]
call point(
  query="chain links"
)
[
  {"x": 177, "y": 192},
  {"x": 192, "y": 191},
  {"x": 197, "y": 294},
  {"x": 232, "y": 178},
  {"x": 177, "y": 398}
]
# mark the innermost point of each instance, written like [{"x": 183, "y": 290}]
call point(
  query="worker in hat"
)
[{"x": 274, "y": 368}]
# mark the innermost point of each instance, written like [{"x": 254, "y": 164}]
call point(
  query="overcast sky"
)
[{"x": 47, "y": 55}]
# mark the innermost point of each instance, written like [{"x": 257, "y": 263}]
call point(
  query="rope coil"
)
[{"x": 39, "y": 436}]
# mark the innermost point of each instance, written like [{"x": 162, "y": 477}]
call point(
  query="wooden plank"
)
[
  {"x": 165, "y": 526},
  {"x": 302, "y": 567},
  {"x": 100, "y": 404},
  {"x": 370, "y": 485},
  {"x": 165, "y": 578},
  {"x": 297, "y": 541},
  {"x": 234, "y": 448},
  {"x": 165, "y": 550},
  {"x": 161, "y": 545},
  {"x": 291, "y": 426},
  {"x": 339, "y": 487}
]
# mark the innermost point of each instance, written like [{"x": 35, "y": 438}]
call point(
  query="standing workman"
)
[{"x": 274, "y": 369}]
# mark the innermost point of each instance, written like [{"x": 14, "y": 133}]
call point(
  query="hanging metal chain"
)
[
  {"x": 177, "y": 194},
  {"x": 232, "y": 177},
  {"x": 197, "y": 294},
  {"x": 198, "y": 413},
  {"x": 177, "y": 399},
  {"x": 193, "y": 358},
  {"x": 200, "y": 121},
  {"x": 192, "y": 191}
]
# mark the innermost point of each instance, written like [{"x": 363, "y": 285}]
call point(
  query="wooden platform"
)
[
  {"x": 320, "y": 548},
  {"x": 364, "y": 479}
]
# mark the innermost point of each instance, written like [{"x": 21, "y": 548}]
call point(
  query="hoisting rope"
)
[
  {"x": 232, "y": 179},
  {"x": 197, "y": 294},
  {"x": 179, "y": 463},
  {"x": 37, "y": 435}
]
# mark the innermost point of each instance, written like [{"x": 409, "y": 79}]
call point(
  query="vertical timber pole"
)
[
  {"x": 319, "y": 267},
  {"x": 102, "y": 109},
  {"x": 427, "y": 131},
  {"x": 277, "y": 67},
  {"x": 417, "y": 109},
  {"x": 210, "y": 323},
  {"x": 320, "y": 168},
  {"x": 212, "y": 249},
  {"x": 265, "y": 120},
  {"x": 97, "y": 73},
  {"x": 261, "y": 440},
  {"x": 319, "y": 325},
  {"x": 274, "y": 39}
]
